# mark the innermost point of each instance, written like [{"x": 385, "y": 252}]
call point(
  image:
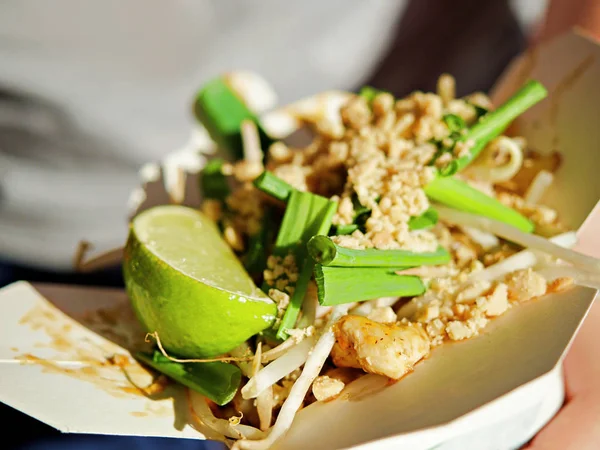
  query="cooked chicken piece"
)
[{"x": 389, "y": 350}]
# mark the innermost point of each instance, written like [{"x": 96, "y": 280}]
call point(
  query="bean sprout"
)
[
  {"x": 312, "y": 368},
  {"x": 522, "y": 260},
  {"x": 201, "y": 411},
  {"x": 485, "y": 240},
  {"x": 278, "y": 369},
  {"x": 513, "y": 234},
  {"x": 538, "y": 186}
]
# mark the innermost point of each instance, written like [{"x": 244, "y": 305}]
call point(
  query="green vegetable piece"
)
[
  {"x": 359, "y": 209},
  {"x": 222, "y": 112},
  {"x": 480, "y": 111},
  {"x": 426, "y": 220},
  {"x": 327, "y": 253},
  {"x": 338, "y": 285},
  {"x": 341, "y": 230},
  {"x": 369, "y": 93},
  {"x": 458, "y": 194},
  {"x": 495, "y": 122},
  {"x": 274, "y": 186},
  {"x": 217, "y": 381},
  {"x": 455, "y": 123},
  {"x": 255, "y": 259},
  {"x": 213, "y": 183},
  {"x": 306, "y": 215}
]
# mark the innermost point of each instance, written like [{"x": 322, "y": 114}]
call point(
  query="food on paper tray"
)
[{"x": 403, "y": 224}]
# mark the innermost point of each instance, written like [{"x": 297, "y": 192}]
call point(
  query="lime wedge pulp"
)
[{"x": 187, "y": 285}]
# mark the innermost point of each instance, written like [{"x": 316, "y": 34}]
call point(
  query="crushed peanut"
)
[
  {"x": 560, "y": 284},
  {"x": 375, "y": 160},
  {"x": 383, "y": 314},
  {"x": 325, "y": 388},
  {"x": 524, "y": 285}
]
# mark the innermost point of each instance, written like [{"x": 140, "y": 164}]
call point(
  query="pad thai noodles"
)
[{"x": 400, "y": 225}]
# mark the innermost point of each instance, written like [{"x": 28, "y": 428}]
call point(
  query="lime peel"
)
[{"x": 188, "y": 286}]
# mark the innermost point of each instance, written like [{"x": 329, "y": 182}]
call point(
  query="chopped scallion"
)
[
  {"x": 426, "y": 220},
  {"x": 338, "y": 285},
  {"x": 495, "y": 122},
  {"x": 217, "y": 381},
  {"x": 369, "y": 93},
  {"x": 222, "y": 112},
  {"x": 455, "y": 123},
  {"x": 327, "y": 253},
  {"x": 255, "y": 259},
  {"x": 306, "y": 215},
  {"x": 274, "y": 186},
  {"x": 341, "y": 230},
  {"x": 213, "y": 183},
  {"x": 459, "y": 195}
]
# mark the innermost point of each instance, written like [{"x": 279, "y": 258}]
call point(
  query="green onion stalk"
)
[
  {"x": 273, "y": 186},
  {"x": 495, "y": 122},
  {"x": 338, "y": 285},
  {"x": 222, "y": 112},
  {"x": 459, "y": 195},
  {"x": 217, "y": 381},
  {"x": 327, "y": 253},
  {"x": 306, "y": 215}
]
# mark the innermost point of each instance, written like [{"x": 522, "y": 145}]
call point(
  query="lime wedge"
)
[{"x": 187, "y": 285}]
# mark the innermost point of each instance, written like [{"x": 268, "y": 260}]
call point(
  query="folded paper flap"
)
[
  {"x": 61, "y": 324},
  {"x": 456, "y": 379},
  {"x": 588, "y": 235},
  {"x": 463, "y": 372},
  {"x": 569, "y": 66},
  {"x": 60, "y": 352}
]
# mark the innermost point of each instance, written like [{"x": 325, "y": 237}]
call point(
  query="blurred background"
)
[{"x": 92, "y": 90}]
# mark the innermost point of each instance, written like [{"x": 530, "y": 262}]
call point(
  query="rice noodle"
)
[
  {"x": 485, "y": 240},
  {"x": 513, "y": 234},
  {"x": 309, "y": 311},
  {"x": 581, "y": 277},
  {"x": 281, "y": 349},
  {"x": 201, "y": 411},
  {"x": 538, "y": 186},
  {"x": 446, "y": 88},
  {"x": 251, "y": 142},
  {"x": 322, "y": 311},
  {"x": 292, "y": 404},
  {"x": 282, "y": 366},
  {"x": 485, "y": 168},
  {"x": 365, "y": 308},
  {"x": 522, "y": 260}
]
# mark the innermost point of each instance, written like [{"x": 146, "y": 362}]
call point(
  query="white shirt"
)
[{"x": 103, "y": 87}]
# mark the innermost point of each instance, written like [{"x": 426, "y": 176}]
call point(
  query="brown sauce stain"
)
[
  {"x": 98, "y": 363},
  {"x": 139, "y": 414},
  {"x": 14, "y": 349},
  {"x": 119, "y": 325}
]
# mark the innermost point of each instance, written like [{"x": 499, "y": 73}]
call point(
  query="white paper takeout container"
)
[{"x": 492, "y": 392}]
